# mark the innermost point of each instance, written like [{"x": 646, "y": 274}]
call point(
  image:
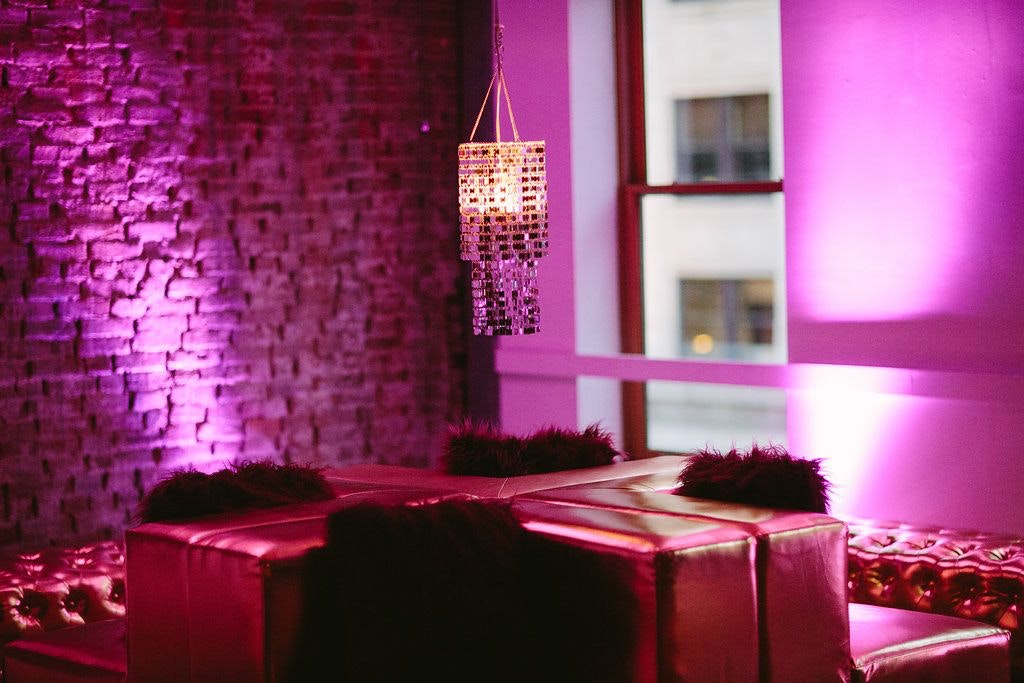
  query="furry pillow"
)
[
  {"x": 765, "y": 477},
  {"x": 248, "y": 485},
  {"x": 482, "y": 450}
]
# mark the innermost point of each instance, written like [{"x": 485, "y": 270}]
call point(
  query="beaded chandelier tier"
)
[{"x": 503, "y": 216}]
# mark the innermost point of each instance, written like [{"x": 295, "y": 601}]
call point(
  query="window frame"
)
[{"x": 633, "y": 186}]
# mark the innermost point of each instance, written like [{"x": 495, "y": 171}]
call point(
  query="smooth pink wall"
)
[
  {"x": 904, "y": 182},
  {"x": 537, "y": 70},
  {"x": 905, "y": 197}
]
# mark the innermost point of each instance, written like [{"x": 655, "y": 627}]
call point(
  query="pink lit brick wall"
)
[{"x": 227, "y": 231}]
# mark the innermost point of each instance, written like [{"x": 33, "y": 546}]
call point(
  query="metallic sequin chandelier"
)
[{"x": 503, "y": 216}]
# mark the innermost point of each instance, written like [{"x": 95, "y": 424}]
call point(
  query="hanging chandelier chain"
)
[
  {"x": 499, "y": 45},
  {"x": 497, "y": 76}
]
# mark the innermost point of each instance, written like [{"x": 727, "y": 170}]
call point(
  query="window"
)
[
  {"x": 722, "y": 138},
  {"x": 725, "y": 318},
  {"x": 702, "y": 255},
  {"x": 686, "y": 416}
]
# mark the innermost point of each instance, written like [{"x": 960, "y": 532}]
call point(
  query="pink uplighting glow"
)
[
  {"x": 893, "y": 123},
  {"x": 229, "y": 234},
  {"x": 904, "y": 191},
  {"x": 848, "y": 431}
]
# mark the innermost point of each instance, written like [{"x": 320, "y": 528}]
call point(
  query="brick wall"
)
[{"x": 227, "y": 231}]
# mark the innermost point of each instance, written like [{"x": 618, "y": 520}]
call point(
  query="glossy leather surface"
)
[
  {"x": 802, "y": 611},
  {"x": 93, "y": 653},
  {"x": 230, "y": 590},
  {"x": 664, "y": 480},
  {"x": 493, "y": 487},
  {"x": 58, "y": 587},
  {"x": 966, "y": 574},
  {"x": 903, "y": 646},
  {"x": 686, "y": 587},
  {"x": 219, "y": 598}
]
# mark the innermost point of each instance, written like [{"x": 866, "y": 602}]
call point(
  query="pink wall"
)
[
  {"x": 537, "y": 65},
  {"x": 905, "y": 197},
  {"x": 904, "y": 182}
]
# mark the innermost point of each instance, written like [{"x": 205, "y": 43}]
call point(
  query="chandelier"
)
[{"x": 503, "y": 217}]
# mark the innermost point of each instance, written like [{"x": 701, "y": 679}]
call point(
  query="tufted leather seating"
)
[
  {"x": 978, "y": 576},
  {"x": 57, "y": 587},
  {"x": 95, "y": 652}
]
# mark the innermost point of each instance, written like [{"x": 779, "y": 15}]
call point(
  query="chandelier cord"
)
[{"x": 497, "y": 76}]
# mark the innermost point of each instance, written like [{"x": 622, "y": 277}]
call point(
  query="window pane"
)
[
  {"x": 714, "y": 277},
  {"x": 683, "y": 416},
  {"x": 722, "y": 139},
  {"x": 727, "y": 318},
  {"x": 712, "y": 89}
]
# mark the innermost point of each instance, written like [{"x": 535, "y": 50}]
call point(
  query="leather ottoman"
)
[
  {"x": 220, "y": 598},
  {"x": 675, "y": 598},
  {"x": 685, "y": 589},
  {"x": 901, "y": 646},
  {"x": 801, "y": 560}
]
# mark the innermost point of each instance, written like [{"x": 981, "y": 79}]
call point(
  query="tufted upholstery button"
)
[
  {"x": 32, "y": 604},
  {"x": 880, "y": 581},
  {"x": 77, "y": 601},
  {"x": 919, "y": 587},
  {"x": 117, "y": 591},
  {"x": 854, "y": 575}
]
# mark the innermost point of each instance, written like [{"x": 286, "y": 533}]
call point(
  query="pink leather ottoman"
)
[
  {"x": 901, "y": 646},
  {"x": 390, "y": 476},
  {"x": 89, "y": 653},
  {"x": 219, "y": 598},
  {"x": 886, "y": 644},
  {"x": 801, "y": 557},
  {"x": 683, "y": 590}
]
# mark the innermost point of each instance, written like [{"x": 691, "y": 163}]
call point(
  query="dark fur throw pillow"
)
[
  {"x": 765, "y": 477},
  {"x": 457, "y": 591},
  {"x": 442, "y": 582},
  {"x": 248, "y": 485},
  {"x": 482, "y": 450}
]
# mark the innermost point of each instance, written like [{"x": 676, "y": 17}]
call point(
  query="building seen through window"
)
[
  {"x": 710, "y": 213},
  {"x": 722, "y": 138},
  {"x": 729, "y": 319}
]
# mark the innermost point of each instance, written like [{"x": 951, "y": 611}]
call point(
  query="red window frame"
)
[{"x": 633, "y": 186}]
